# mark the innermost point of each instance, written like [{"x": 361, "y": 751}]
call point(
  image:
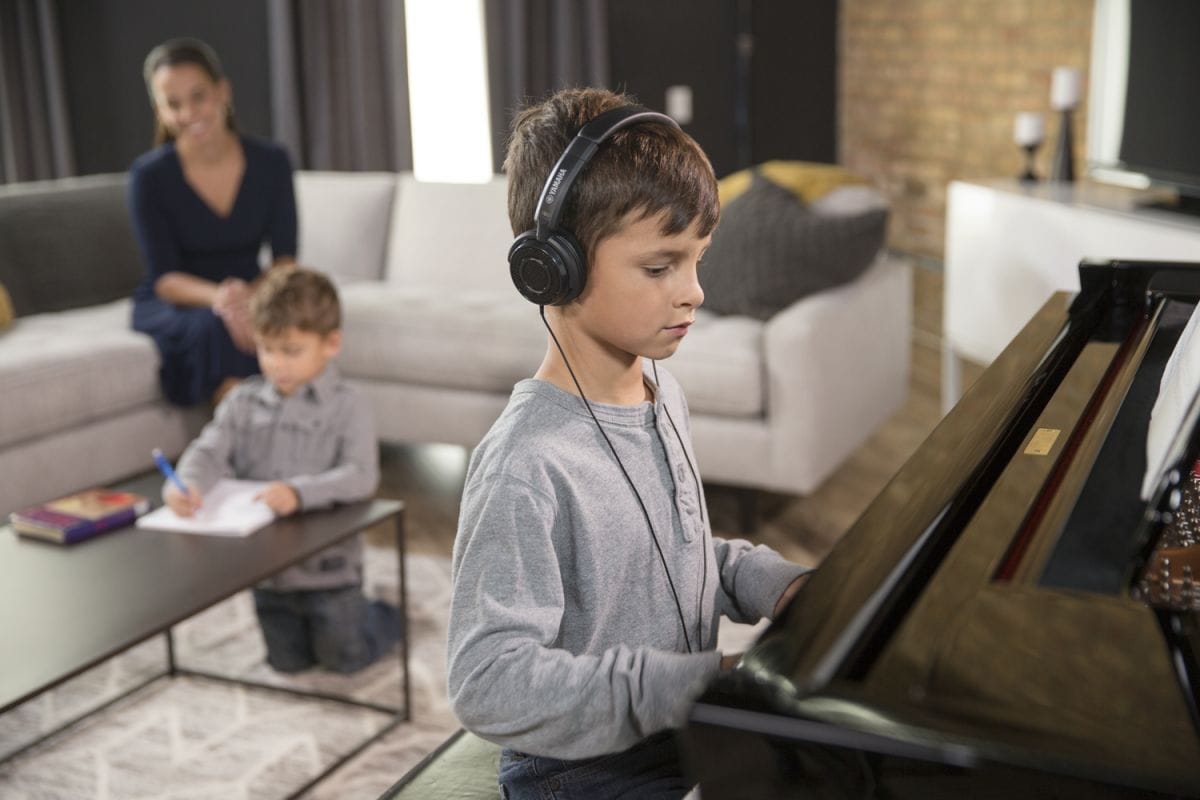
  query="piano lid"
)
[{"x": 984, "y": 609}]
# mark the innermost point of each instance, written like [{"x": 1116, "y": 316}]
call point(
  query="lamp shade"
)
[
  {"x": 1065, "y": 88},
  {"x": 1029, "y": 128}
]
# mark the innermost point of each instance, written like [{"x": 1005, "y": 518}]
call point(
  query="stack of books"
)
[{"x": 79, "y": 516}]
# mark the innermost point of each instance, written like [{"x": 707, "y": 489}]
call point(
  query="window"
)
[{"x": 448, "y": 96}]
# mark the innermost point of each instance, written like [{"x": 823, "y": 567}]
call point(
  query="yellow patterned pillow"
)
[
  {"x": 807, "y": 180},
  {"x": 6, "y": 309}
]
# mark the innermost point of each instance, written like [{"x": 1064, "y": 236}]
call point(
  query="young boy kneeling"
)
[
  {"x": 587, "y": 583},
  {"x": 309, "y": 433}
]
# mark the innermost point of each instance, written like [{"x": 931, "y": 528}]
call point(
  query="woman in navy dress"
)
[{"x": 203, "y": 204}]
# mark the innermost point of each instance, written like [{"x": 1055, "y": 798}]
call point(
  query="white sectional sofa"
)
[{"x": 436, "y": 336}]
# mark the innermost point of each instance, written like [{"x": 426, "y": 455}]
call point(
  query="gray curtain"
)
[
  {"x": 35, "y": 130},
  {"x": 339, "y": 85},
  {"x": 536, "y": 47}
]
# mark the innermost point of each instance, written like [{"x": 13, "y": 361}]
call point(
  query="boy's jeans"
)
[
  {"x": 649, "y": 769},
  {"x": 336, "y": 628}
]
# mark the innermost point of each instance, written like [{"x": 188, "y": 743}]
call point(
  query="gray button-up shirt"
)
[{"x": 320, "y": 440}]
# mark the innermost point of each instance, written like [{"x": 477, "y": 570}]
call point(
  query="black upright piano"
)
[{"x": 1016, "y": 614}]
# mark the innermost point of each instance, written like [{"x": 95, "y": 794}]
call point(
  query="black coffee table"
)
[{"x": 66, "y": 609}]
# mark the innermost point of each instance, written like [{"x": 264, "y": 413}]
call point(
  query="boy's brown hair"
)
[
  {"x": 295, "y": 297},
  {"x": 648, "y": 168}
]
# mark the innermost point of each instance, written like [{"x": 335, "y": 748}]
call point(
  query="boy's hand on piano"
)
[
  {"x": 281, "y": 498},
  {"x": 788, "y": 594},
  {"x": 182, "y": 504}
]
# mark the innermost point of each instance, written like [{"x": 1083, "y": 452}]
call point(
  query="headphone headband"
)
[{"x": 577, "y": 155}]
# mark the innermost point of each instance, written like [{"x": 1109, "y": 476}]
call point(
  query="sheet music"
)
[
  {"x": 228, "y": 509},
  {"x": 1180, "y": 382}
]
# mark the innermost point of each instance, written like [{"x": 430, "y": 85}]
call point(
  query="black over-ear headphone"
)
[{"x": 547, "y": 264}]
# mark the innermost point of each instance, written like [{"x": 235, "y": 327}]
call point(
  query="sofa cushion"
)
[
  {"x": 469, "y": 339},
  {"x": 720, "y": 366},
  {"x": 488, "y": 340},
  {"x": 773, "y": 248},
  {"x": 463, "y": 226},
  {"x": 68, "y": 367},
  {"x": 66, "y": 243},
  {"x": 344, "y": 219}
]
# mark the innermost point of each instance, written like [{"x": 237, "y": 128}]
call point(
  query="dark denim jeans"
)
[
  {"x": 649, "y": 769},
  {"x": 335, "y": 628}
]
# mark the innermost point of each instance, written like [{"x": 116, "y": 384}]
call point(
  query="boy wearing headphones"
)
[{"x": 587, "y": 583}]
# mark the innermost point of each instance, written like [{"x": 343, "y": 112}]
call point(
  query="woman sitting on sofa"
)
[{"x": 203, "y": 203}]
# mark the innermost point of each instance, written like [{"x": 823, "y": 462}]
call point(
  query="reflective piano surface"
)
[{"x": 1000, "y": 620}]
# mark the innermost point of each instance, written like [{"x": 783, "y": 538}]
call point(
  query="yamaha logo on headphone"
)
[
  {"x": 550, "y": 195},
  {"x": 547, "y": 264}
]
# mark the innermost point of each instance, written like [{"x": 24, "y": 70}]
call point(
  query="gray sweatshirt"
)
[
  {"x": 320, "y": 440},
  {"x": 564, "y": 639}
]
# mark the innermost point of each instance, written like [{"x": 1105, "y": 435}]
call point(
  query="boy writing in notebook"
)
[
  {"x": 587, "y": 582},
  {"x": 307, "y": 432}
]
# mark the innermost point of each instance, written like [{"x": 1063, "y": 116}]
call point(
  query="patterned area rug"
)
[{"x": 191, "y": 738}]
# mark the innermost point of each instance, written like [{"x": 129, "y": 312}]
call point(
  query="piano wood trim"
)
[{"x": 1062, "y": 491}]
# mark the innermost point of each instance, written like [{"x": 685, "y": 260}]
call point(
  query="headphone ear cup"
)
[
  {"x": 549, "y": 272},
  {"x": 574, "y": 264},
  {"x": 536, "y": 270}
]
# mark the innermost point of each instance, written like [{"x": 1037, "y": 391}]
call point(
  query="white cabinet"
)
[{"x": 1010, "y": 245}]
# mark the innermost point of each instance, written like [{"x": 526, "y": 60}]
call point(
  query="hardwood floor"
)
[{"x": 429, "y": 478}]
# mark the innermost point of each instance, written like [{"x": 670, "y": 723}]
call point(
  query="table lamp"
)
[
  {"x": 1064, "y": 98},
  {"x": 1029, "y": 131}
]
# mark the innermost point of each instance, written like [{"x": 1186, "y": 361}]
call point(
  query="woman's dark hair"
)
[{"x": 182, "y": 51}]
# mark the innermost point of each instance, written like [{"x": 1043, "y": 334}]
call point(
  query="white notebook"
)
[{"x": 228, "y": 509}]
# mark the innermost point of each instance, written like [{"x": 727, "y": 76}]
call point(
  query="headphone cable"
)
[{"x": 675, "y": 595}]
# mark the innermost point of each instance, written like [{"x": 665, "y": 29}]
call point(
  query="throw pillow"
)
[
  {"x": 6, "y": 310},
  {"x": 42, "y": 224},
  {"x": 772, "y": 248},
  {"x": 808, "y": 180}
]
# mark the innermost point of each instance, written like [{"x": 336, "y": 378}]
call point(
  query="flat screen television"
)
[{"x": 1144, "y": 97}]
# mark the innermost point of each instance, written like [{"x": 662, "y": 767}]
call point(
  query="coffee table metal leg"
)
[
  {"x": 169, "y": 634},
  {"x": 406, "y": 685}
]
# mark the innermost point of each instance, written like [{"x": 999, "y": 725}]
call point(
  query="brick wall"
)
[{"x": 929, "y": 90}]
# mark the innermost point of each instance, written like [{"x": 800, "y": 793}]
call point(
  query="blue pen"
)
[{"x": 164, "y": 467}]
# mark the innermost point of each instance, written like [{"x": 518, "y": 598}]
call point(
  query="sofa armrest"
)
[{"x": 836, "y": 367}]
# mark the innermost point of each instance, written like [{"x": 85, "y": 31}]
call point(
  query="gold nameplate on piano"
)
[{"x": 1042, "y": 441}]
